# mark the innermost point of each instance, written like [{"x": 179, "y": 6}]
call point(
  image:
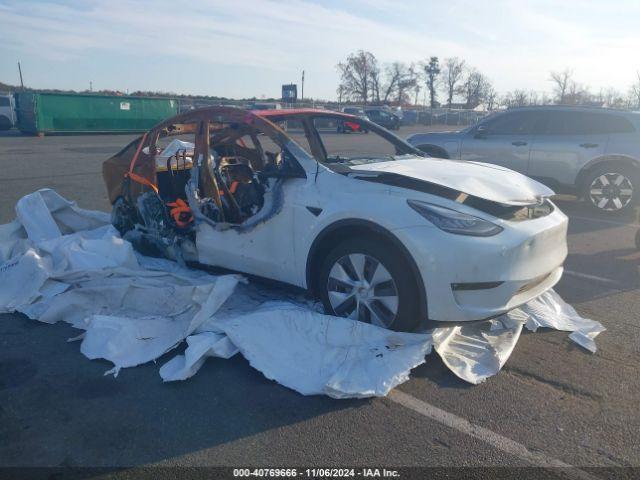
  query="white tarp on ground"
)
[
  {"x": 475, "y": 352},
  {"x": 60, "y": 262}
]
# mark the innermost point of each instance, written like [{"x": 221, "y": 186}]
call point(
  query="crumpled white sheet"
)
[
  {"x": 550, "y": 311},
  {"x": 60, "y": 262},
  {"x": 200, "y": 347},
  {"x": 314, "y": 353},
  {"x": 477, "y": 351},
  {"x": 92, "y": 279}
]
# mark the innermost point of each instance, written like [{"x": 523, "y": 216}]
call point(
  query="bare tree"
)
[
  {"x": 491, "y": 98},
  {"x": 517, "y": 98},
  {"x": 505, "y": 100},
  {"x": 392, "y": 76},
  {"x": 614, "y": 98},
  {"x": 416, "y": 90},
  {"x": 474, "y": 88},
  {"x": 357, "y": 75},
  {"x": 375, "y": 85},
  {"x": 634, "y": 93},
  {"x": 562, "y": 82},
  {"x": 577, "y": 94},
  {"x": 400, "y": 79},
  {"x": 545, "y": 100},
  {"x": 406, "y": 83},
  {"x": 452, "y": 74},
  {"x": 520, "y": 98},
  {"x": 431, "y": 73}
]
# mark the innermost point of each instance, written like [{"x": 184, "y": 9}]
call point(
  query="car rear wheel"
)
[
  {"x": 433, "y": 151},
  {"x": 612, "y": 188},
  {"x": 5, "y": 123},
  {"x": 369, "y": 281}
]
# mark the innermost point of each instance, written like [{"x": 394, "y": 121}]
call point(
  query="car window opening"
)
[
  {"x": 353, "y": 142},
  {"x": 226, "y": 173}
]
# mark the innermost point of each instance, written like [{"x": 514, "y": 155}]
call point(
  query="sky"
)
[{"x": 246, "y": 48}]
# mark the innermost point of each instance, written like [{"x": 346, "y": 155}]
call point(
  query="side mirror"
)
[{"x": 481, "y": 132}]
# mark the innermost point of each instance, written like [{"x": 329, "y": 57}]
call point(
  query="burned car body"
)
[{"x": 378, "y": 231}]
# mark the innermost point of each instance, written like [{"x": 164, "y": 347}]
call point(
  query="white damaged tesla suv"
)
[{"x": 373, "y": 227}]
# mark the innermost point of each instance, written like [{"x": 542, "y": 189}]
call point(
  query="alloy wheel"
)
[
  {"x": 361, "y": 288},
  {"x": 611, "y": 191}
]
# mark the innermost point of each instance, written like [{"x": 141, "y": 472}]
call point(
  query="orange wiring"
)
[
  {"x": 180, "y": 212},
  {"x": 137, "y": 178},
  {"x": 232, "y": 188},
  {"x": 134, "y": 176}
]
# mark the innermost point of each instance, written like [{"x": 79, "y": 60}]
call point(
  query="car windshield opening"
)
[{"x": 352, "y": 142}]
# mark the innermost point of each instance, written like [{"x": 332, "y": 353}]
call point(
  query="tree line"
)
[{"x": 364, "y": 80}]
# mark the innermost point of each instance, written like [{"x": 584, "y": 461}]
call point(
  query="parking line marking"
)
[
  {"x": 494, "y": 439},
  {"x": 601, "y": 220},
  {"x": 592, "y": 277}
]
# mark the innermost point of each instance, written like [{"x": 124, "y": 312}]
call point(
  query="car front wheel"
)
[
  {"x": 612, "y": 189},
  {"x": 369, "y": 281}
]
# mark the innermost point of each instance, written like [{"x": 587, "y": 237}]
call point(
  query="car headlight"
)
[{"x": 453, "y": 221}]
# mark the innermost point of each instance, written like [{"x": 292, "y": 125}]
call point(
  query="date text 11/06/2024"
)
[{"x": 316, "y": 472}]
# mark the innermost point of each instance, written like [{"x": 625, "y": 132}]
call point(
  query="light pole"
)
[{"x": 20, "y": 71}]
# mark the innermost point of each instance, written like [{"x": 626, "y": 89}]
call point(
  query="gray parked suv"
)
[{"x": 592, "y": 152}]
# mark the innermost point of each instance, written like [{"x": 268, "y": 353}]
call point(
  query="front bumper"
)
[{"x": 473, "y": 278}]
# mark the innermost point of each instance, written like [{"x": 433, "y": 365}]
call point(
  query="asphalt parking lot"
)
[{"x": 552, "y": 404}]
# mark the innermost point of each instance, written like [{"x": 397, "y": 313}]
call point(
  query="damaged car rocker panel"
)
[{"x": 373, "y": 227}]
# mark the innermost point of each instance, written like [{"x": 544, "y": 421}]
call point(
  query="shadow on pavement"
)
[
  {"x": 57, "y": 408},
  {"x": 437, "y": 372},
  {"x": 591, "y": 221},
  {"x": 621, "y": 267}
]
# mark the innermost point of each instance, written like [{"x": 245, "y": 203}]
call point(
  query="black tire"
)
[
  {"x": 407, "y": 317},
  {"x": 5, "y": 123},
  {"x": 612, "y": 200},
  {"x": 433, "y": 151}
]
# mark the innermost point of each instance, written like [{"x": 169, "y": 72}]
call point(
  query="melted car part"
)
[
  {"x": 206, "y": 210},
  {"x": 123, "y": 216},
  {"x": 210, "y": 210},
  {"x": 149, "y": 228},
  {"x": 273, "y": 202},
  {"x": 246, "y": 188},
  {"x": 153, "y": 212}
]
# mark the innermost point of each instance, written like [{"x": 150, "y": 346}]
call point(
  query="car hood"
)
[{"x": 483, "y": 180}]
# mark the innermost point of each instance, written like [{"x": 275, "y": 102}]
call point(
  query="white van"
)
[{"x": 7, "y": 111}]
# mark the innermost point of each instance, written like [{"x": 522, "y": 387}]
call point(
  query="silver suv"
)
[{"x": 591, "y": 152}]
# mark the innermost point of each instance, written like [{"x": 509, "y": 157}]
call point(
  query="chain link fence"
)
[{"x": 408, "y": 115}]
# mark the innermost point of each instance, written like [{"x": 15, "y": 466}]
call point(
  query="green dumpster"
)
[{"x": 42, "y": 113}]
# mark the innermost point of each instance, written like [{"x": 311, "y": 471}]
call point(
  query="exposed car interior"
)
[{"x": 229, "y": 166}]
